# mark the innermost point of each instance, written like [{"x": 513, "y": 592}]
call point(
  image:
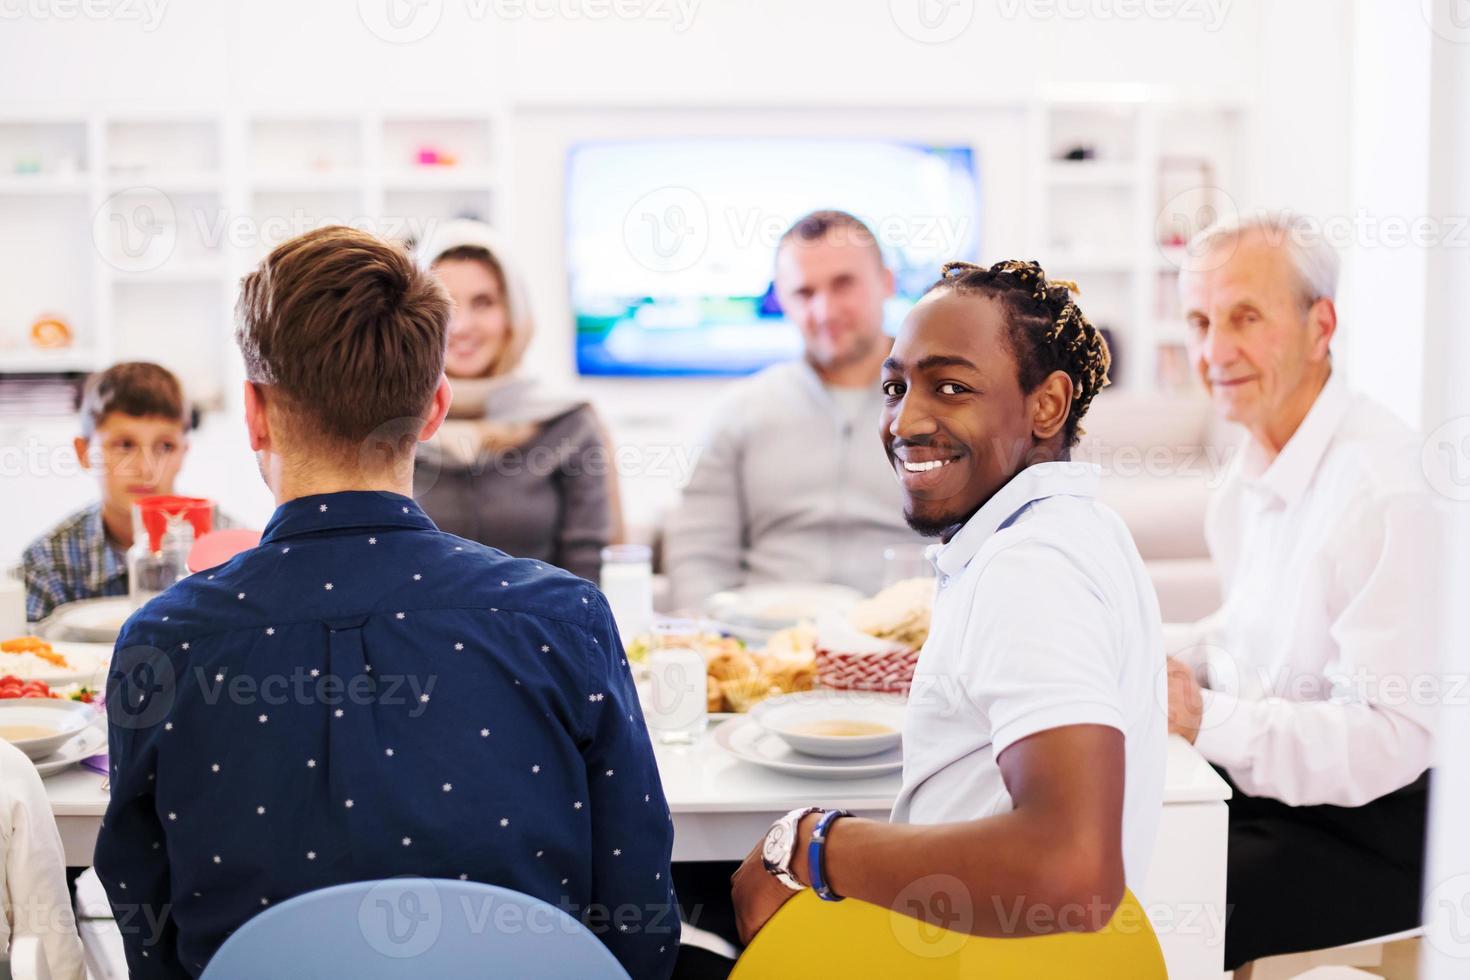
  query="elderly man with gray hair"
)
[{"x": 1313, "y": 688}]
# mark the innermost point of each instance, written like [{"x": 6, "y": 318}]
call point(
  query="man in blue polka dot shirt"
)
[{"x": 363, "y": 696}]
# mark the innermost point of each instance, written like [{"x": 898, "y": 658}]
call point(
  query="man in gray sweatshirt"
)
[{"x": 791, "y": 484}]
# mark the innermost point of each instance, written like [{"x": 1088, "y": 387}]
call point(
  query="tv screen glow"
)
[{"x": 671, "y": 242}]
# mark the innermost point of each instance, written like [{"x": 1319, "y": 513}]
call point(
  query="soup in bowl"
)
[
  {"x": 834, "y": 724},
  {"x": 40, "y": 726}
]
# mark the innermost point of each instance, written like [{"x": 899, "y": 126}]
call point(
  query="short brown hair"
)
[
  {"x": 813, "y": 227},
  {"x": 346, "y": 330},
  {"x": 136, "y": 388}
]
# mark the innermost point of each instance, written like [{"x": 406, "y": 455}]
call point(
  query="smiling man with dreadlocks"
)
[{"x": 1035, "y": 735}]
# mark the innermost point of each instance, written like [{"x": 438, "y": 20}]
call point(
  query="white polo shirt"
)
[{"x": 1045, "y": 617}]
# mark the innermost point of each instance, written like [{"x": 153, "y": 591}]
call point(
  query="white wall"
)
[
  {"x": 1447, "y": 419},
  {"x": 769, "y": 66}
]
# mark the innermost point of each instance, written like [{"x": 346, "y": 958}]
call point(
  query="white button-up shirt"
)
[
  {"x": 1322, "y": 656},
  {"x": 1045, "y": 617},
  {"x": 33, "y": 885}
]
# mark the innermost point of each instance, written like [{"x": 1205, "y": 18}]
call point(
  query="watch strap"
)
[{"x": 816, "y": 855}]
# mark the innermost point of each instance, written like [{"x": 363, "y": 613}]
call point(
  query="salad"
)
[{"x": 13, "y": 687}]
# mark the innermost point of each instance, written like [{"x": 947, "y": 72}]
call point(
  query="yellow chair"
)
[{"x": 809, "y": 937}]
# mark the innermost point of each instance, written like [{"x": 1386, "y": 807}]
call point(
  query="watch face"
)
[{"x": 776, "y": 846}]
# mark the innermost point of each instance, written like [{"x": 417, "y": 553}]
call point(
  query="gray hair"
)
[{"x": 1313, "y": 258}]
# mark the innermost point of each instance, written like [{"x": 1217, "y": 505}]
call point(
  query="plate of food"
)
[
  {"x": 89, "y": 620},
  {"x": 85, "y": 744},
  {"x": 748, "y": 741},
  {"x": 55, "y": 663},
  {"x": 39, "y": 726},
  {"x": 738, "y": 674},
  {"x": 834, "y": 724}
]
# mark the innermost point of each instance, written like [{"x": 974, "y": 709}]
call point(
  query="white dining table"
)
[{"x": 722, "y": 806}]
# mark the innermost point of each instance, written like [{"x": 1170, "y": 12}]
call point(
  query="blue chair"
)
[{"x": 413, "y": 927}]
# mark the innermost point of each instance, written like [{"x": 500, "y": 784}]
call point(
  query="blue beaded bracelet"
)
[{"x": 816, "y": 856}]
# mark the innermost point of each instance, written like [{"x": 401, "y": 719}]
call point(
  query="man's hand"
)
[
  {"x": 1186, "y": 703},
  {"x": 756, "y": 893}
]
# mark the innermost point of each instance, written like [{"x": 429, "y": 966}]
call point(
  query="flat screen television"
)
[{"x": 671, "y": 243}]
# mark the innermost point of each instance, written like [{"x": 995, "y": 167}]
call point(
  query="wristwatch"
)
[{"x": 780, "y": 845}]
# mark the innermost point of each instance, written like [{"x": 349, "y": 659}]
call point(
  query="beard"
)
[{"x": 933, "y": 527}]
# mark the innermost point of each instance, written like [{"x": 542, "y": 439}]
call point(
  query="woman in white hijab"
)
[{"x": 515, "y": 466}]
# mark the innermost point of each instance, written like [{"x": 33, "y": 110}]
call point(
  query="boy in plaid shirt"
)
[{"x": 135, "y": 432}]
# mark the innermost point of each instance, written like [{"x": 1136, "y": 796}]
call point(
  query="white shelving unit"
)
[
  {"x": 135, "y": 229},
  {"x": 1107, "y": 220}
]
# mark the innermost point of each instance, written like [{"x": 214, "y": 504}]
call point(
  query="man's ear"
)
[
  {"x": 438, "y": 409},
  {"x": 1051, "y": 403},
  {"x": 1322, "y": 324},
  {"x": 257, "y": 423},
  {"x": 83, "y": 445}
]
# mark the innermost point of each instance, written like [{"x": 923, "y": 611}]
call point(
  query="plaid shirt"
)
[{"x": 74, "y": 560}]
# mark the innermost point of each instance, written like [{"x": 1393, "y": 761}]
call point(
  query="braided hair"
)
[{"x": 1046, "y": 329}]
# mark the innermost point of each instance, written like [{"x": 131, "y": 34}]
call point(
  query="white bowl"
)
[
  {"x": 64, "y": 718},
  {"x": 787, "y": 715}
]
